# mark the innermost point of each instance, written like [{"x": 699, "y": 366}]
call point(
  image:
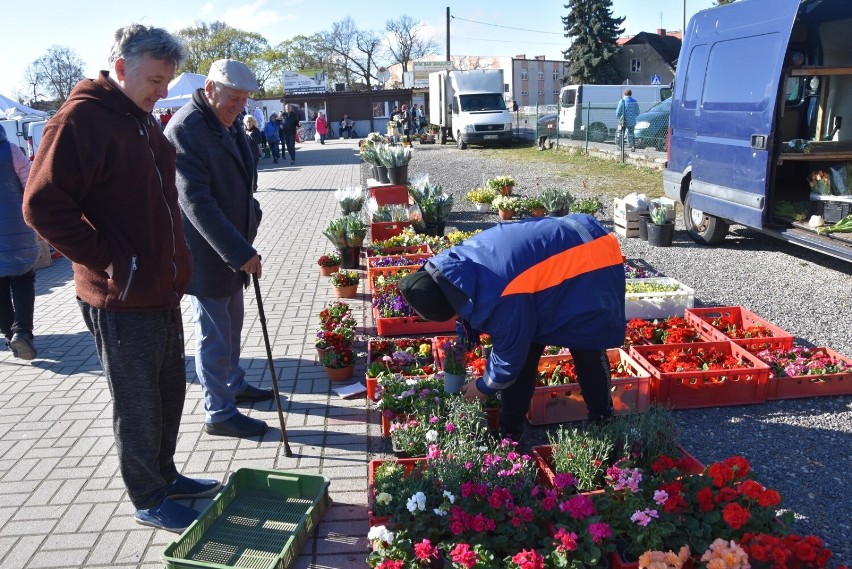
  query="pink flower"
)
[
  {"x": 528, "y": 559},
  {"x": 434, "y": 452},
  {"x": 600, "y": 531},
  {"x": 433, "y": 420},
  {"x": 567, "y": 540},
  {"x": 578, "y": 507},
  {"x": 644, "y": 517},
  {"x": 450, "y": 427},
  {"x": 660, "y": 497},
  {"x": 564, "y": 480},
  {"x": 463, "y": 554},
  {"x": 425, "y": 550}
]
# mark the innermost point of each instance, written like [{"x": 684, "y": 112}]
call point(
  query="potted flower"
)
[
  {"x": 534, "y": 206},
  {"x": 338, "y": 363},
  {"x": 329, "y": 264},
  {"x": 661, "y": 230},
  {"x": 555, "y": 201},
  {"x": 392, "y": 550},
  {"x": 434, "y": 203},
  {"x": 506, "y": 206},
  {"x": 347, "y": 233},
  {"x": 351, "y": 199},
  {"x": 455, "y": 371},
  {"x": 590, "y": 206},
  {"x": 345, "y": 283},
  {"x": 502, "y": 184},
  {"x": 395, "y": 159},
  {"x": 481, "y": 198}
]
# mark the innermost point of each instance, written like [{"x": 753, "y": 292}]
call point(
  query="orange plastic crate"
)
[
  {"x": 372, "y": 251},
  {"x": 543, "y": 457},
  {"x": 795, "y": 387},
  {"x": 711, "y": 388},
  {"x": 372, "y": 383},
  {"x": 373, "y": 273},
  {"x": 410, "y": 464},
  {"x": 562, "y": 403},
  {"x": 382, "y": 230},
  {"x": 411, "y": 325},
  {"x": 390, "y": 195},
  {"x": 743, "y": 318}
]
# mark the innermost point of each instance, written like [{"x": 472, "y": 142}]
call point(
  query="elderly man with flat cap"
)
[
  {"x": 550, "y": 281},
  {"x": 215, "y": 166}
]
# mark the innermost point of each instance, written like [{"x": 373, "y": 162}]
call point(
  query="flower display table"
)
[
  {"x": 560, "y": 403},
  {"x": 709, "y": 374},
  {"x": 738, "y": 325}
]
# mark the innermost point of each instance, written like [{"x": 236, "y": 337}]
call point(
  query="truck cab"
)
[{"x": 761, "y": 91}]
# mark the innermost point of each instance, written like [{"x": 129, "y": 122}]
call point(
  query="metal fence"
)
[{"x": 595, "y": 127}]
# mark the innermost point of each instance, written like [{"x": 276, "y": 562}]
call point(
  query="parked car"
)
[
  {"x": 652, "y": 126},
  {"x": 547, "y": 123}
]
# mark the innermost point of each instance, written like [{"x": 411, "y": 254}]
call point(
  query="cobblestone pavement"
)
[{"x": 62, "y": 500}]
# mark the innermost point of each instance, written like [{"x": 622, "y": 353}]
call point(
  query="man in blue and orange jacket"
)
[{"x": 549, "y": 281}]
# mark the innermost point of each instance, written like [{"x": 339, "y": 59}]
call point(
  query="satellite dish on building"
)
[{"x": 383, "y": 74}]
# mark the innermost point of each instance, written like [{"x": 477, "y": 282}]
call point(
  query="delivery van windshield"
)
[{"x": 482, "y": 102}]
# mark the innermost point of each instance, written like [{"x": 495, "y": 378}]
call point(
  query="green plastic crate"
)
[{"x": 260, "y": 520}]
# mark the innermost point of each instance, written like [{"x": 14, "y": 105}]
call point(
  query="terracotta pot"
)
[
  {"x": 339, "y": 373},
  {"x": 327, "y": 271},
  {"x": 537, "y": 212},
  {"x": 506, "y": 191},
  {"x": 506, "y": 214},
  {"x": 348, "y": 291}
]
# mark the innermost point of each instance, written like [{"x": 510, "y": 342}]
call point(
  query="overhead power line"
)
[{"x": 506, "y": 27}]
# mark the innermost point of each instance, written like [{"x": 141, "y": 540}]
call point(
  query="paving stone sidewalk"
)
[{"x": 62, "y": 501}]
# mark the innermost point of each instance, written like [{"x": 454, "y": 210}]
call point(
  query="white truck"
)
[
  {"x": 468, "y": 106},
  {"x": 588, "y": 111}
]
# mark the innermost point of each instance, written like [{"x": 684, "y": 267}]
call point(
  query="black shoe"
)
[
  {"x": 251, "y": 394},
  {"x": 293, "y": 161},
  {"x": 275, "y": 161},
  {"x": 237, "y": 426},
  {"x": 22, "y": 347}
]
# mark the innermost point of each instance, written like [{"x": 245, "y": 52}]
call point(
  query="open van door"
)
[{"x": 724, "y": 112}]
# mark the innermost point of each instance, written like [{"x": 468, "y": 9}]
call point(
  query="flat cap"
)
[{"x": 233, "y": 74}]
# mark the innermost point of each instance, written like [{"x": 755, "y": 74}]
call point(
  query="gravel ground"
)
[{"x": 802, "y": 447}]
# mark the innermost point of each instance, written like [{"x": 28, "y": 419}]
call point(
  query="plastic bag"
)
[
  {"x": 317, "y": 136},
  {"x": 840, "y": 179}
]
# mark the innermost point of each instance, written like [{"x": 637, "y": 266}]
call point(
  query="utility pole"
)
[
  {"x": 683, "y": 29},
  {"x": 448, "y": 33}
]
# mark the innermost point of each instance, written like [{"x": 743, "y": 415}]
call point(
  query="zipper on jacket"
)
[{"x": 126, "y": 290}]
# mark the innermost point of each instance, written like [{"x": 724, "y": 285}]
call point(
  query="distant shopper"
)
[
  {"x": 18, "y": 253},
  {"x": 289, "y": 125},
  {"x": 255, "y": 142},
  {"x": 165, "y": 117},
  {"x": 272, "y": 130},
  {"x": 626, "y": 113},
  {"x": 322, "y": 126},
  {"x": 346, "y": 127},
  {"x": 113, "y": 211}
]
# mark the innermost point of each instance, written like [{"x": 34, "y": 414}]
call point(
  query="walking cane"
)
[{"x": 287, "y": 451}]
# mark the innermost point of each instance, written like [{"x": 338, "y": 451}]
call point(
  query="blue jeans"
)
[{"x": 218, "y": 333}]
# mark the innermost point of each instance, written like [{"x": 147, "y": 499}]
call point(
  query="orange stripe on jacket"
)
[{"x": 602, "y": 252}]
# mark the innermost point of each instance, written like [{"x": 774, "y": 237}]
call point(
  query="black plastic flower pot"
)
[{"x": 660, "y": 235}]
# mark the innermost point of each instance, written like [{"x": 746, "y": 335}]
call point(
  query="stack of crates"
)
[
  {"x": 625, "y": 216},
  {"x": 387, "y": 194}
]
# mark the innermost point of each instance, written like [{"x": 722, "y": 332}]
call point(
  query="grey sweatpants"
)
[{"x": 143, "y": 360}]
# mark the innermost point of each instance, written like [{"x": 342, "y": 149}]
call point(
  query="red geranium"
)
[{"x": 791, "y": 551}]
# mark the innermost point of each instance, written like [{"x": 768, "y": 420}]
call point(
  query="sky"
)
[{"x": 477, "y": 27}]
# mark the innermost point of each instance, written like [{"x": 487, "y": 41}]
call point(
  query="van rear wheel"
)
[{"x": 702, "y": 227}]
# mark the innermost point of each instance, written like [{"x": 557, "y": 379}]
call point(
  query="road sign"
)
[{"x": 656, "y": 80}]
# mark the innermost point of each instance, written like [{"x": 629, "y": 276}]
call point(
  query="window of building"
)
[
  {"x": 541, "y": 93},
  {"x": 556, "y": 76},
  {"x": 541, "y": 75},
  {"x": 635, "y": 65},
  {"x": 524, "y": 93},
  {"x": 524, "y": 73}
]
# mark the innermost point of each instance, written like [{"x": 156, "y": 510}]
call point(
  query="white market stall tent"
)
[
  {"x": 181, "y": 89},
  {"x": 10, "y": 108}
]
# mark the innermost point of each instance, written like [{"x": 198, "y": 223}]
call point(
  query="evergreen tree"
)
[{"x": 593, "y": 32}]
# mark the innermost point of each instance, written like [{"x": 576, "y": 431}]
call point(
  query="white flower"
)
[
  {"x": 431, "y": 436},
  {"x": 384, "y": 498},
  {"x": 410, "y": 382},
  {"x": 439, "y": 512},
  {"x": 380, "y": 533},
  {"x": 449, "y": 497},
  {"x": 417, "y": 502}
]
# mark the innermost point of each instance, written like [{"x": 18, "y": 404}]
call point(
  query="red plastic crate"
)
[
  {"x": 372, "y": 383},
  {"x": 799, "y": 386},
  {"x": 543, "y": 457},
  {"x": 386, "y": 229},
  {"x": 562, "y": 403},
  {"x": 408, "y": 463},
  {"x": 701, "y": 318},
  {"x": 390, "y": 195},
  {"x": 373, "y": 274},
  {"x": 371, "y": 261},
  {"x": 371, "y": 251},
  {"x": 411, "y": 325},
  {"x": 711, "y": 388}
]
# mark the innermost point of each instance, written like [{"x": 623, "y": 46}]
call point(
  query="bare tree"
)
[
  {"x": 205, "y": 43},
  {"x": 33, "y": 81},
  {"x": 56, "y": 72},
  {"x": 406, "y": 41},
  {"x": 352, "y": 53}
]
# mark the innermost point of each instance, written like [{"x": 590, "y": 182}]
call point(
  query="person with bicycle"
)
[{"x": 289, "y": 124}]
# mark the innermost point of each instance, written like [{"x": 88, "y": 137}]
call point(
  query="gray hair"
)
[{"x": 135, "y": 40}]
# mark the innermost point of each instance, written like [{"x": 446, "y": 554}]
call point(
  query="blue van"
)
[{"x": 761, "y": 90}]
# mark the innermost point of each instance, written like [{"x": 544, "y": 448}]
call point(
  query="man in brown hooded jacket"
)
[{"x": 102, "y": 192}]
